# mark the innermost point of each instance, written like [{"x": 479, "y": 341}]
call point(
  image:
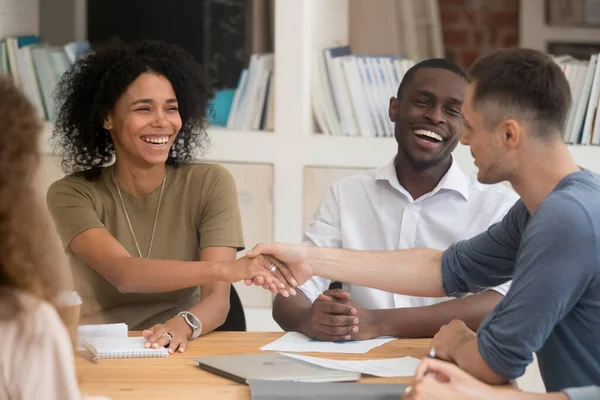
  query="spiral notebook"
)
[{"x": 131, "y": 347}]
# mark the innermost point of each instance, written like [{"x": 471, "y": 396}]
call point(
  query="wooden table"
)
[{"x": 177, "y": 377}]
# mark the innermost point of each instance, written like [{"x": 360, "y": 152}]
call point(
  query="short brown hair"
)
[{"x": 524, "y": 84}]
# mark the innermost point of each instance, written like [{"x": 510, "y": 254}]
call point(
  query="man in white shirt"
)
[{"x": 421, "y": 198}]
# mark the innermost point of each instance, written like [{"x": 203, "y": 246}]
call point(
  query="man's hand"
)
[
  {"x": 436, "y": 379},
  {"x": 336, "y": 317},
  {"x": 451, "y": 337},
  {"x": 295, "y": 257},
  {"x": 331, "y": 320}
]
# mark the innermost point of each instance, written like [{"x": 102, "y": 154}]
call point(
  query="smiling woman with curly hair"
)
[
  {"x": 147, "y": 230},
  {"x": 89, "y": 91}
]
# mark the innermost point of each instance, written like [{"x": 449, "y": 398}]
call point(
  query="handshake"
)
[{"x": 278, "y": 267}]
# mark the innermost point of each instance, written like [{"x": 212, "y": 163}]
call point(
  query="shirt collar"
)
[{"x": 454, "y": 179}]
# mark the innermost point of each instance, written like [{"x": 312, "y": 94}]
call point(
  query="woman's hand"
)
[
  {"x": 157, "y": 337},
  {"x": 436, "y": 379}
]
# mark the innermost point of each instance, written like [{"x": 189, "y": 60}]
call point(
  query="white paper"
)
[
  {"x": 297, "y": 342},
  {"x": 115, "y": 331},
  {"x": 385, "y": 368}
]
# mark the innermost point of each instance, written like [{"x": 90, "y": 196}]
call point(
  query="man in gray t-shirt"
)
[
  {"x": 553, "y": 306},
  {"x": 514, "y": 110}
]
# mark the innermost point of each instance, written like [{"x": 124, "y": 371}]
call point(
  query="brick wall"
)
[{"x": 476, "y": 27}]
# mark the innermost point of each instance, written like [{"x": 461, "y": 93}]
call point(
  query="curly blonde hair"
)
[{"x": 30, "y": 260}]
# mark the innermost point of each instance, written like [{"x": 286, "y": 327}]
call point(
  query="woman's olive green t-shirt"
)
[{"x": 199, "y": 209}]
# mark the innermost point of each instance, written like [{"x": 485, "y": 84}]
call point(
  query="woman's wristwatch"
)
[{"x": 193, "y": 323}]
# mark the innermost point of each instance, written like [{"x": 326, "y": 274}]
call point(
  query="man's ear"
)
[
  {"x": 108, "y": 125},
  {"x": 394, "y": 108},
  {"x": 511, "y": 133}
]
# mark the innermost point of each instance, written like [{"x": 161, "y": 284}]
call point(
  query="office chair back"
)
[{"x": 236, "y": 319}]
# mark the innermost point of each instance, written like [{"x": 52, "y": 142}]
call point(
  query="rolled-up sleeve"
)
[{"x": 314, "y": 287}]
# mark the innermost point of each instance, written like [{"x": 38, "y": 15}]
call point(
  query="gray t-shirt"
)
[{"x": 553, "y": 306}]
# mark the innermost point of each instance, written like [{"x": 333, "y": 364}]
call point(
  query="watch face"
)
[{"x": 192, "y": 320}]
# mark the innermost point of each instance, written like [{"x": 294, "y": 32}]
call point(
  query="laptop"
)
[
  {"x": 269, "y": 390},
  {"x": 272, "y": 367}
]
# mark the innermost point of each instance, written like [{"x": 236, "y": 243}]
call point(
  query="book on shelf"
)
[
  {"x": 350, "y": 93},
  {"x": 37, "y": 68},
  {"x": 253, "y": 102},
  {"x": 583, "y": 121}
]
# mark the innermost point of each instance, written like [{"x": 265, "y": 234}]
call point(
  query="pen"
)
[
  {"x": 88, "y": 355},
  {"x": 431, "y": 354}
]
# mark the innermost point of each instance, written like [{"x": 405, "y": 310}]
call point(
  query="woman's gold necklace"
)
[{"x": 129, "y": 221}]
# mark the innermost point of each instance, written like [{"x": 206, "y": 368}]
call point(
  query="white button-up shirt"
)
[{"x": 372, "y": 211}]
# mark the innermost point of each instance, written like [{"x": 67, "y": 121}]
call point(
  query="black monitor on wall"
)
[{"x": 214, "y": 31}]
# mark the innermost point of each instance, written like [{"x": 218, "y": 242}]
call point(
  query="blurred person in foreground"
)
[{"x": 36, "y": 361}]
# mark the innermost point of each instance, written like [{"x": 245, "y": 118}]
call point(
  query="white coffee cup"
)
[{"x": 69, "y": 307}]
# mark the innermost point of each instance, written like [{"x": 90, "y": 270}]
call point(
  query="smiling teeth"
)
[
  {"x": 423, "y": 132},
  {"x": 161, "y": 140}
]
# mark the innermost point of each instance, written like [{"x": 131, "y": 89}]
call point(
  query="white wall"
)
[
  {"x": 19, "y": 17},
  {"x": 317, "y": 181}
]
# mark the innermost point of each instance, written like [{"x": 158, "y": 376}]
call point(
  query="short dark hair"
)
[
  {"x": 440, "y": 63},
  {"x": 523, "y": 83},
  {"x": 89, "y": 90}
]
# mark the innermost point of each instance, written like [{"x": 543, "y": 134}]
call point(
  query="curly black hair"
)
[{"x": 89, "y": 90}]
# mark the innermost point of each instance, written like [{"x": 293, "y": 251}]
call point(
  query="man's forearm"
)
[
  {"x": 466, "y": 356},
  {"x": 292, "y": 313},
  {"x": 414, "y": 272},
  {"x": 426, "y": 321}
]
